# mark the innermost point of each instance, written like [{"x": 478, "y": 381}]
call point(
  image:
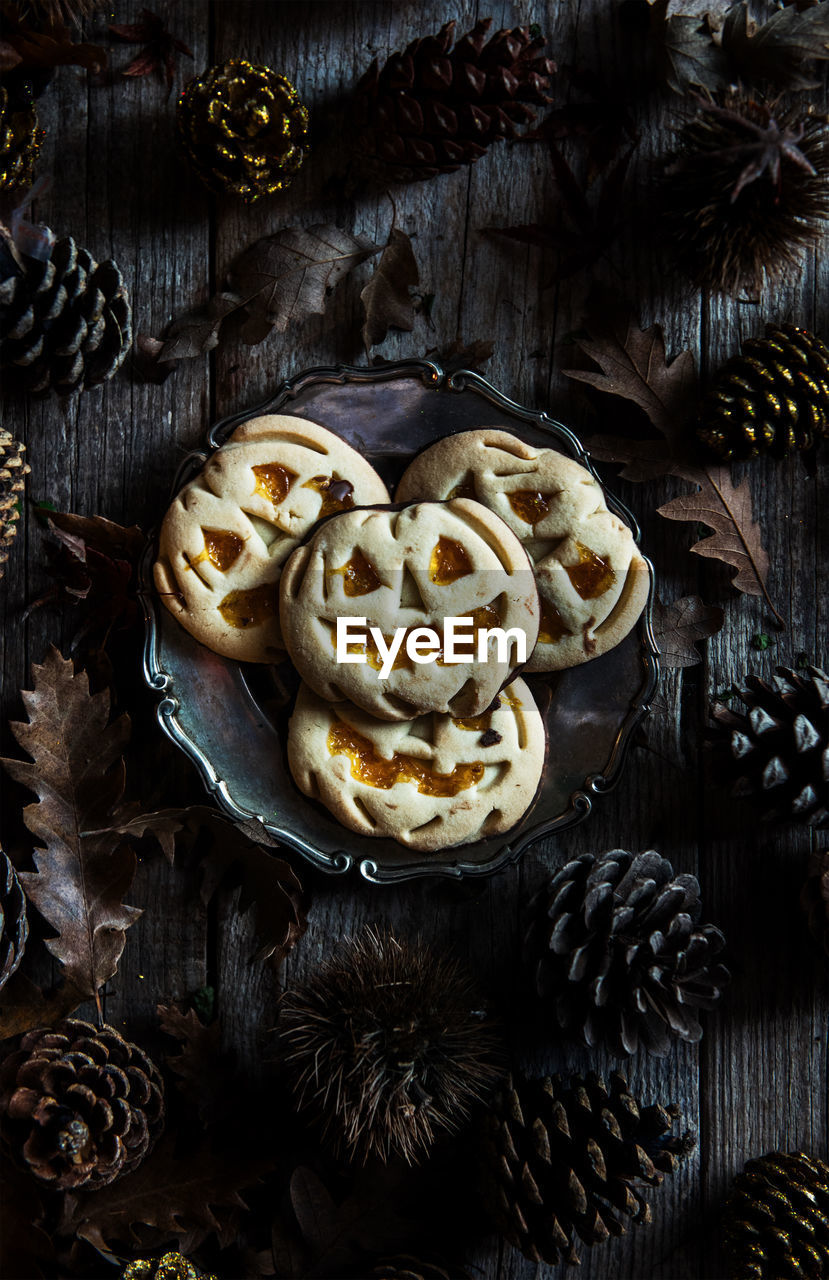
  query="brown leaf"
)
[
  {"x": 51, "y": 46},
  {"x": 689, "y": 55},
  {"x": 778, "y": 50},
  {"x": 23, "y": 1006},
  {"x": 160, "y": 51},
  {"x": 201, "y": 1070},
  {"x": 268, "y": 884},
  {"x": 163, "y": 824},
  {"x": 78, "y": 776},
  {"x": 285, "y": 277},
  {"x": 633, "y": 366},
  {"x": 386, "y": 299},
  {"x": 195, "y": 335},
  {"x": 104, "y": 536},
  {"x": 462, "y": 355},
  {"x": 187, "y": 1198},
  {"x": 587, "y": 225},
  {"x": 736, "y": 539},
  {"x": 676, "y": 627}
]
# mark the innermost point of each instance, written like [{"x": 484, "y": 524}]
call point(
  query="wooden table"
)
[{"x": 758, "y": 1079}]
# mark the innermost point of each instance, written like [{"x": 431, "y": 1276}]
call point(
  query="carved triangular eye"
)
[
  {"x": 359, "y": 575},
  {"x": 410, "y": 595},
  {"x": 273, "y": 481},
  {"x": 449, "y": 561},
  {"x": 222, "y": 548}
]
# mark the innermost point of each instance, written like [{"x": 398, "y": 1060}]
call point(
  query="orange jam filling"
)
[
  {"x": 466, "y": 489},
  {"x": 273, "y": 481},
  {"x": 480, "y": 724},
  {"x": 359, "y": 575},
  {"x": 368, "y": 767},
  {"x": 592, "y": 576},
  {"x": 221, "y": 548},
  {"x": 529, "y": 506},
  {"x": 249, "y": 608},
  {"x": 449, "y": 562},
  {"x": 337, "y": 495},
  {"x": 552, "y": 626}
]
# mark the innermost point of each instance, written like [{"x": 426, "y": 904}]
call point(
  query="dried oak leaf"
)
[
  {"x": 24, "y": 1006},
  {"x": 160, "y": 51},
  {"x": 93, "y": 562},
  {"x": 200, "y": 1066},
  {"x": 633, "y": 366},
  {"x": 462, "y": 355},
  {"x": 602, "y": 124},
  {"x": 777, "y": 51},
  {"x": 187, "y": 1197},
  {"x": 386, "y": 300},
  {"x": 48, "y": 45},
  {"x": 686, "y": 49},
  {"x": 279, "y": 279},
  {"x": 678, "y": 625},
  {"x": 269, "y": 884},
  {"x": 83, "y": 869},
  {"x": 587, "y": 225}
]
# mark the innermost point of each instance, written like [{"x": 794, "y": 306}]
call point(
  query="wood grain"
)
[{"x": 758, "y": 1080}]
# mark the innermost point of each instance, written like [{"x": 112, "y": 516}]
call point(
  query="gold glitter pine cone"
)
[
  {"x": 775, "y": 1220},
  {"x": 20, "y": 139},
  {"x": 172, "y": 1266},
  {"x": 13, "y": 471},
  {"x": 244, "y": 129}
]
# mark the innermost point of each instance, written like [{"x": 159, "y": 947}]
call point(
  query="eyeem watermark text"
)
[{"x": 460, "y": 641}]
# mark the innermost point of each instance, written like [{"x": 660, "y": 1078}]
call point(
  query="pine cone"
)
[
  {"x": 568, "y": 1159},
  {"x": 20, "y": 139},
  {"x": 243, "y": 128},
  {"x": 83, "y": 1106},
  {"x": 172, "y": 1266},
  {"x": 814, "y": 897},
  {"x": 772, "y": 398},
  {"x": 14, "y": 926},
  {"x": 65, "y": 320},
  {"x": 777, "y": 754},
  {"x": 12, "y": 484},
  {"x": 404, "y": 1267},
  {"x": 433, "y": 108},
  {"x": 776, "y": 1219},
  {"x": 622, "y": 957}
]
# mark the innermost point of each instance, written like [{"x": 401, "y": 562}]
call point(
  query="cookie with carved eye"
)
[
  {"x": 229, "y": 531},
  {"x": 592, "y": 581},
  {"x": 427, "y": 783},
  {"x": 404, "y": 572}
]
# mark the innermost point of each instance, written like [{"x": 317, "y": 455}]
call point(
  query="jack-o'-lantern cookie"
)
[
  {"x": 408, "y": 573},
  {"x": 228, "y": 532},
  {"x": 592, "y": 581},
  {"x": 428, "y": 783}
]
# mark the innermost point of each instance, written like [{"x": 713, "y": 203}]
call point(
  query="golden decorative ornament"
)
[
  {"x": 20, "y": 139},
  {"x": 12, "y": 483},
  {"x": 243, "y": 128},
  {"x": 172, "y": 1266}
]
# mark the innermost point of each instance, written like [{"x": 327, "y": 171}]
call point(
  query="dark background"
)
[{"x": 758, "y": 1079}]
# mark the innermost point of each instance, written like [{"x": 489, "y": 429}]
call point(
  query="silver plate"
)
[{"x": 225, "y": 717}]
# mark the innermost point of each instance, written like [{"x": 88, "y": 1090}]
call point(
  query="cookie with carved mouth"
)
[
  {"x": 592, "y": 581},
  {"x": 229, "y": 531},
  {"x": 409, "y": 571},
  {"x": 428, "y": 783}
]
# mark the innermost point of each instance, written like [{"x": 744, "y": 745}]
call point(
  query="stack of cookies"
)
[{"x": 393, "y": 732}]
